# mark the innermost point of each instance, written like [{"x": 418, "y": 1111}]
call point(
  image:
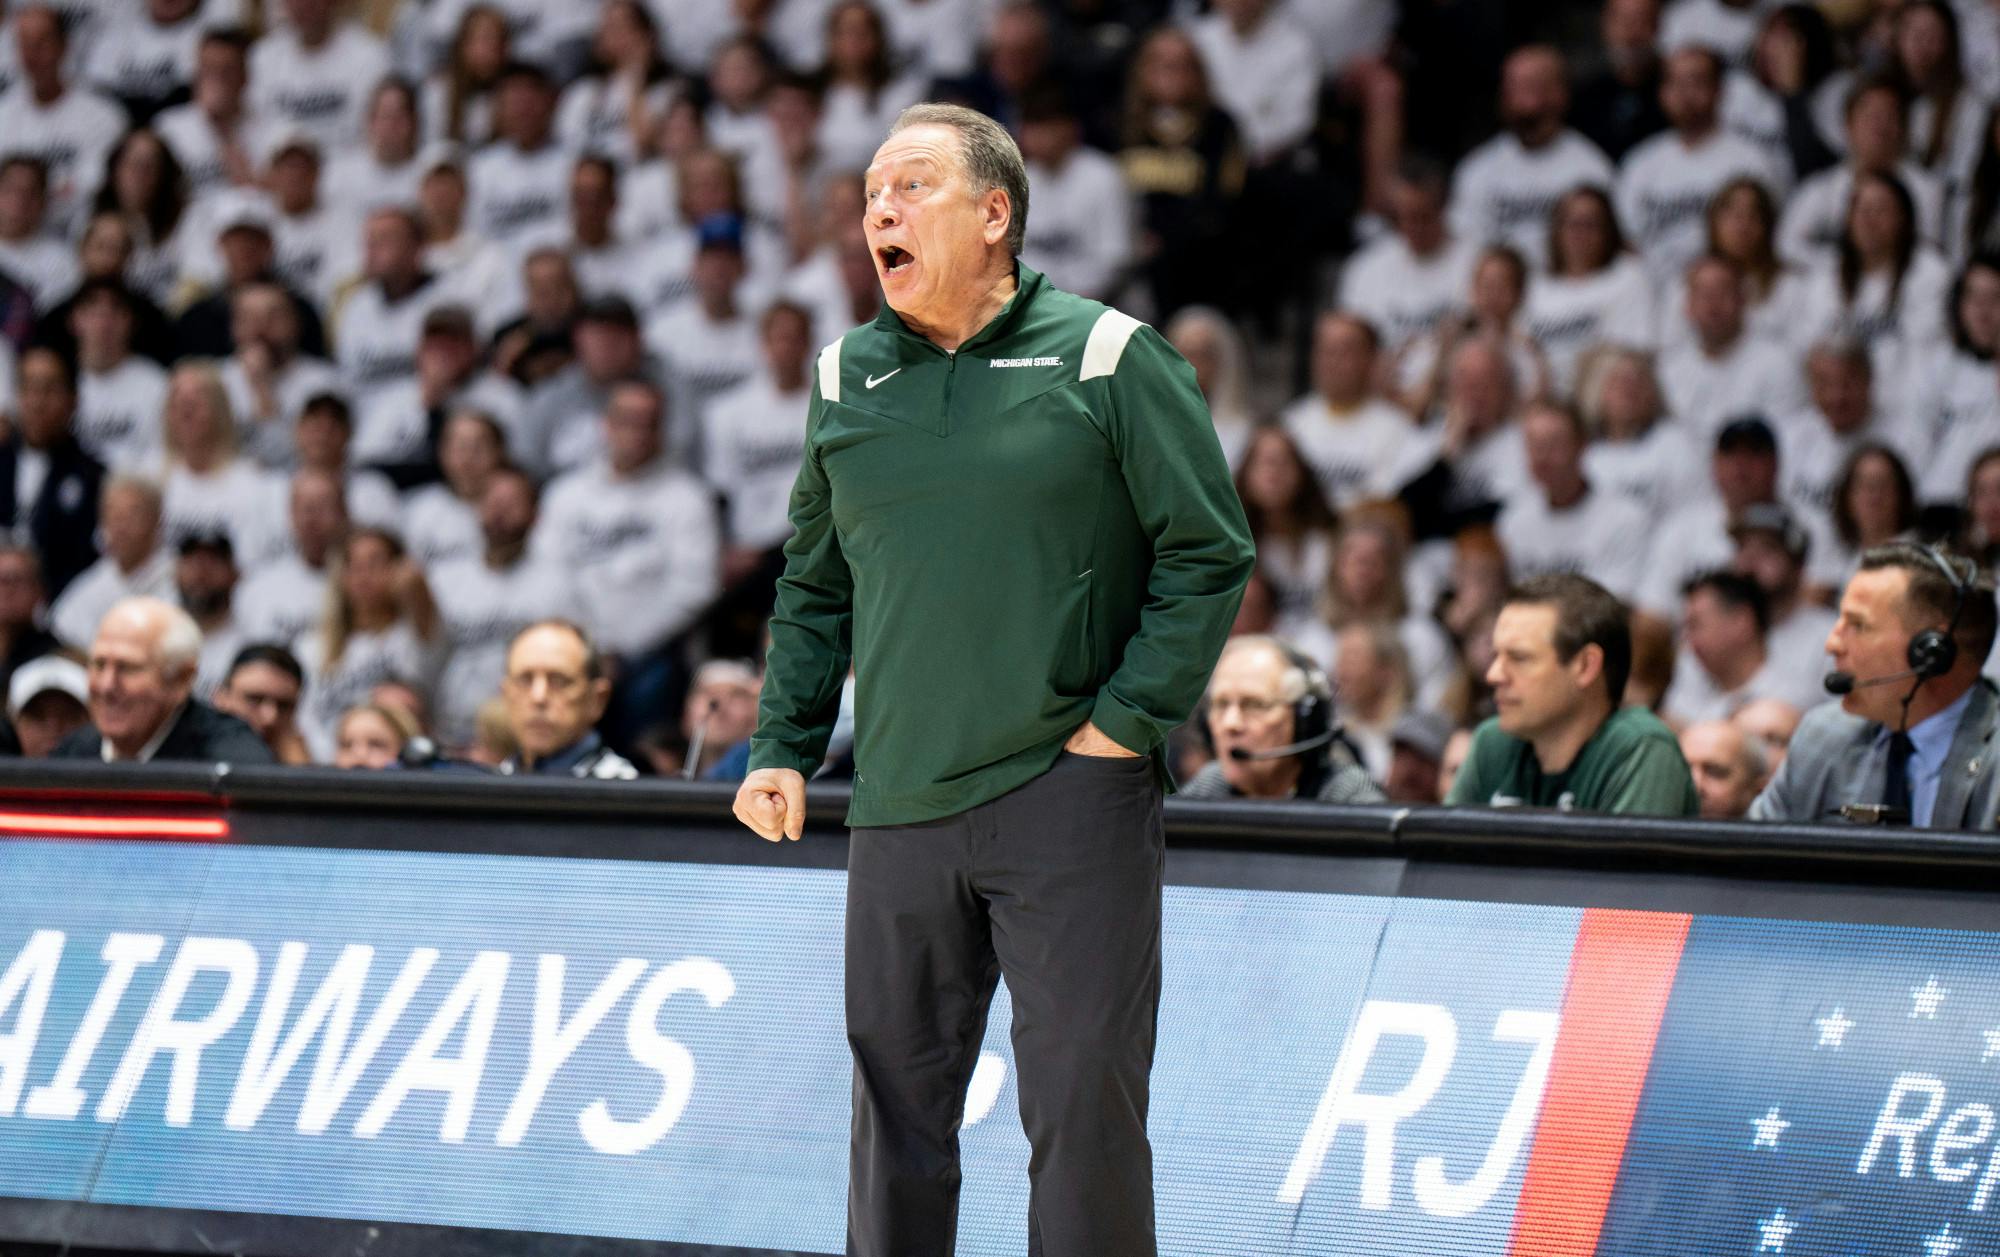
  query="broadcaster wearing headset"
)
[
  {"x": 1913, "y": 738},
  {"x": 1268, "y": 717}
]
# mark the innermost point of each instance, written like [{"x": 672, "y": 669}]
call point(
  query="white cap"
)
[
  {"x": 236, "y": 207},
  {"x": 39, "y": 676}
]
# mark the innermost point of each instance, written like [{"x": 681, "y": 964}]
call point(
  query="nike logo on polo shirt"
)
[{"x": 873, "y": 380}]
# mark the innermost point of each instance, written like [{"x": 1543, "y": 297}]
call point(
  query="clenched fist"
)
[{"x": 772, "y": 801}]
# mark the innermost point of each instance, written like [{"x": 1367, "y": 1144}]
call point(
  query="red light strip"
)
[{"x": 112, "y": 826}]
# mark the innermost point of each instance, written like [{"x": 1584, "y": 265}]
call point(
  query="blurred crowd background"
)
[{"x": 370, "y": 334}]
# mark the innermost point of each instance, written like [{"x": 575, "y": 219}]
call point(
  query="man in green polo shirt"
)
[
  {"x": 1562, "y": 650},
  {"x": 1015, "y": 518}
]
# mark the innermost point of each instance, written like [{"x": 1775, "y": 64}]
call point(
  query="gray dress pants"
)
[{"x": 1056, "y": 885}]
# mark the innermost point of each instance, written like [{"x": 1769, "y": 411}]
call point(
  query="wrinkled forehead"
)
[
  {"x": 1249, "y": 672},
  {"x": 926, "y": 145}
]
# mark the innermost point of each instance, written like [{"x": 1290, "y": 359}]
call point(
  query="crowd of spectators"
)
[{"x": 385, "y": 339}]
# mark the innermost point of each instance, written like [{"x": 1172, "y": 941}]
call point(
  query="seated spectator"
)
[
  {"x": 1594, "y": 293},
  {"x": 315, "y": 71},
  {"x": 136, "y": 561},
  {"x": 30, "y": 254},
  {"x": 520, "y": 182},
  {"x": 1874, "y": 504},
  {"x": 47, "y": 701},
  {"x": 708, "y": 343},
  {"x": 538, "y": 342},
  {"x": 487, "y": 597},
  {"x": 209, "y": 487},
  {"x": 1772, "y": 722},
  {"x": 443, "y": 518},
  {"x": 378, "y": 324},
  {"x": 214, "y": 135},
  {"x": 368, "y": 736},
  {"x": 1884, "y": 287},
  {"x": 1495, "y": 311},
  {"x": 1080, "y": 234},
  {"x": 1741, "y": 226},
  {"x": 1268, "y": 715},
  {"x": 398, "y": 429},
  {"x": 1350, "y": 435},
  {"x": 205, "y": 577},
  {"x": 1636, "y": 451},
  {"x": 1877, "y": 144},
  {"x": 243, "y": 227},
  {"x": 262, "y": 689},
  {"x": 63, "y": 124},
  {"x": 380, "y": 623},
  {"x": 1291, "y": 527},
  {"x": 1562, "y": 651},
  {"x": 556, "y": 691},
  {"x": 269, "y": 377},
  {"x": 1947, "y": 394},
  {"x": 22, "y": 636},
  {"x": 1692, "y": 537},
  {"x": 1416, "y": 755},
  {"x": 320, "y": 439},
  {"x": 1667, "y": 182},
  {"x": 1367, "y": 583},
  {"x": 1477, "y": 456},
  {"x": 1917, "y": 752},
  {"x": 1263, "y": 72},
  {"x": 1371, "y": 691},
  {"x": 1844, "y": 415},
  {"x": 119, "y": 394},
  {"x": 1409, "y": 282},
  {"x": 1184, "y": 163},
  {"x": 614, "y": 108},
  {"x": 1728, "y": 766},
  {"x": 1563, "y": 524},
  {"x": 49, "y": 485},
  {"x": 1726, "y": 660},
  {"x": 1724, "y": 370},
  {"x": 142, "y": 704},
  {"x": 144, "y": 184},
  {"x": 1771, "y": 549},
  {"x": 1215, "y": 349},
  {"x": 564, "y": 414},
  {"x": 1506, "y": 188},
  {"x": 719, "y": 716},
  {"x": 1617, "y": 103},
  {"x": 385, "y": 169},
  {"x": 1728, "y": 26},
  {"x": 282, "y": 598}
]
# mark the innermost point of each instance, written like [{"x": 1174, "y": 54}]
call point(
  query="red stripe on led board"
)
[
  {"x": 113, "y": 826},
  {"x": 1620, "y": 976}
]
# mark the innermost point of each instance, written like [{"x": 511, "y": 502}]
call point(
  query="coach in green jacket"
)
[{"x": 1015, "y": 519}]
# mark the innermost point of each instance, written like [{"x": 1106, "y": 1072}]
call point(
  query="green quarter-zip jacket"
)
[{"x": 1007, "y": 540}]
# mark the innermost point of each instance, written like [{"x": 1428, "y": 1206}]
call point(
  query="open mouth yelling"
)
[{"x": 894, "y": 257}]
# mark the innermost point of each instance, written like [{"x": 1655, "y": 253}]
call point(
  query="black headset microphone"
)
[
  {"x": 1312, "y": 718},
  {"x": 1931, "y": 653}
]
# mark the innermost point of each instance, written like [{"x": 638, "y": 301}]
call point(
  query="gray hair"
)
[
  {"x": 992, "y": 159},
  {"x": 1295, "y": 682},
  {"x": 179, "y": 645}
]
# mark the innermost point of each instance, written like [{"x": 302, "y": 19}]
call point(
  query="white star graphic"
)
[
  {"x": 1768, "y": 1128},
  {"x": 1925, "y": 999},
  {"x": 1833, "y": 1030},
  {"x": 1943, "y": 1244},
  {"x": 1992, "y": 1045},
  {"x": 1773, "y": 1231}
]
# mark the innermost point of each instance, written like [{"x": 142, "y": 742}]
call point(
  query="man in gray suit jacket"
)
[{"x": 1915, "y": 738}]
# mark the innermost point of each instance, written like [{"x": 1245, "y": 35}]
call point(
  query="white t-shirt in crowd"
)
[
  {"x": 482, "y": 608},
  {"x": 118, "y": 413},
  {"x": 935, "y": 38},
  {"x": 1268, "y": 81},
  {"x": 642, "y": 549},
  {"x": 367, "y": 659},
  {"x": 1692, "y": 539},
  {"x": 1666, "y": 184},
  {"x": 1298, "y": 570},
  {"x": 198, "y": 146},
  {"x": 1602, "y": 535},
  {"x": 74, "y": 616},
  {"x": 1797, "y": 648},
  {"x": 1570, "y": 316},
  {"x": 72, "y": 135},
  {"x": 1914, "y": 324},
  {"x": 851, "y": 124},
  {"x": 394, "y": 426},
  {"x": 240, "y": 499},
  {"x": 593, "y": 117},
  {"x": 375, "y": 339},
  {"x": 1729, "y": 29},
  {"x": 356, "y": 183},
  {"x": 1696, "y": 696},
  {"x": 1774, "y": 315},
  {"x": 1659, "y": 470},
  {"x": 752, "y": 443},
  {"x": 704, "y": 358},
  {"x": 44, "y": 265},
  {"x": 1402, "y": 295},
  {"x": 1080, "y": 234},
  {"x": 1811, "y": 456},
  {"x": 1752, "y": 377},
  {"x": 1809, "y": 228},
  {"x": 280, "y": 599},
  {"x": 322, "y": 91},
  {"x": 317, "y": 251},
  {"x": 269, "y": 438},
  {"x": 1751, "y": 112},
  {"x": 140, "y": 59},
  {"x": 1504, "y": 192},
  {"x": 440, "y": 527},
  {"x": 1353, "y": 455},
  {"x": 515, "y": 192}
]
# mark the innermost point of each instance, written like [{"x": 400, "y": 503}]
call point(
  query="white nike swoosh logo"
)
[{"x": 873, "y": 380}]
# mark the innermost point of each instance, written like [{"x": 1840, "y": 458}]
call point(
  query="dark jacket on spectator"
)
[
  {"x": 199, "y": 733},
  {"x": 1347, "y": 782},
  {"x": 204, "y": 329},
  {"x": 61, "y": 523}
]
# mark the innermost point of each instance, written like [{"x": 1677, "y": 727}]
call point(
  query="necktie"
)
[{"x": 1896, "y": 793}]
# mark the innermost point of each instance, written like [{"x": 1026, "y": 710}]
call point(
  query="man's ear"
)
[
  {"x": 1587, "y": 668},
  {"x": 996, "y": 215},
  {"x": 600, "y": 698}
]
